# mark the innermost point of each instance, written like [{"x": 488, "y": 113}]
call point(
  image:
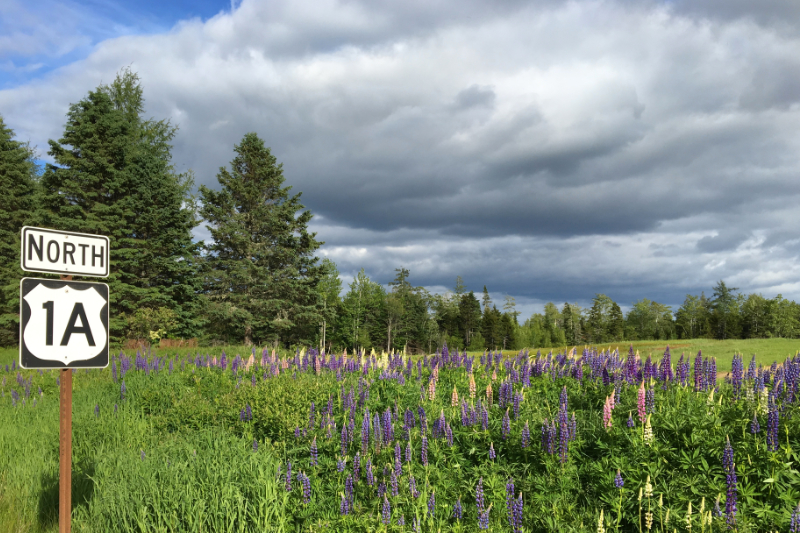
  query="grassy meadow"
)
[{"x": 189, "y": 445}]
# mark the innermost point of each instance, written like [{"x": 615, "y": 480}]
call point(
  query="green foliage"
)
[
  {"x": 261, "y": 274},
  {"x": 18, "y": 188}
]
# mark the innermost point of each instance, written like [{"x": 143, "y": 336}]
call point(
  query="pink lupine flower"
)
[
  {"x": 641, "y": 404},
  {"x": 607, "y": 408}
]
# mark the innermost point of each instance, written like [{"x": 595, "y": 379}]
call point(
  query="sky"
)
[{"x": 548, "y": 150}]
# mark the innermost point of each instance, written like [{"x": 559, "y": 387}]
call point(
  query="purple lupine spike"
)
[
  {"x": 492, "y": 455},
  {"x": 97, "y": 410},
  {"x": 432, "y": 505},
  {"x": 730, "y": 480},
  {"x": 344, "y": 440},
  {"x": 425, "y": 450},
  {"x": 631, "y": 423},
  {"x": 506, "y": 427},
  {"x": 393, "y": 483},
  {"x": 510, "y": 502},
  {"x": 458, "y": 511},
  {"x": 448, "y": 433},
  {"x": 755, "y": 427},
  {"x": 794, "y": 523},
  {"x": 368, "y": 470},
  {"x": 386, "y": 511},
  {"x": 408, "y": 452},
  {"x": 306, "y": 484},
  {"x": 314, "y": 451},
  {"x": 288, "y": 484},
  {"x": 773, "y": 421},
  {"x": 618, "y": 482},
  {"x": 398, "y": 466},
  {"x": 357, "y": 466},
  {"x": 348, "y": 487},
  {"x": 412, "y": 487}
]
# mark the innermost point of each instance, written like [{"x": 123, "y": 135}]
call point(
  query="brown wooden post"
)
[{"x": 65, "y": 449}]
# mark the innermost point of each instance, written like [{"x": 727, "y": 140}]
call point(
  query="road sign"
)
[
  {"x": 64, "y": 324},
  {"x": 64, "y": 252}
]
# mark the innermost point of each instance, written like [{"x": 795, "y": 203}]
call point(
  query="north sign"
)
[
  {"x": 62, "y": 252},
  {"x": 64, "y": 324}
]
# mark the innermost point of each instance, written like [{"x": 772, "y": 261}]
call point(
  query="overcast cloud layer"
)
[{"x": 548, "y": 150}]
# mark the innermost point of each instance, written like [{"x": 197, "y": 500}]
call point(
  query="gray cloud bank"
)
[{"x": 548, "y": 150}]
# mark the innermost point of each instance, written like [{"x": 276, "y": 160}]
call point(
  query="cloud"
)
[{"x": 550, "y": 150}]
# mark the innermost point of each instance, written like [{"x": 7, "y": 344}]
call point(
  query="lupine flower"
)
[
  {"x": 97, "y": 410},
  {"x": 425, "y": 450},
  {"x": 607, "y": 407},
  {"x": 255, "y": 445},
  {"x": 348, "y": 487},
  {"x": 648, "y": 436},
  {"x": 393, "y": 483},
  {"x": 454, "y": 397},
  {"x": 448, "y": 433},
  {"x": 412, "y": 486},
  {"x": 357, "y": 465},
  {"x": 618, "y": 482},
  {"x": 600, "y": 527},
  {"x": 386, "y": 511},
  {"x": 479, "y": 497},
  {"x": 408, "y": 452},
  {"x": 489, "y": 394},
  {"x": 492, "y": 455},
  {"x": 506, "y": 428},
  {"x": 306, "y": 484},
  {"x": 650, "y": 400},
  {"x": 431, "y": 390},
  {"x": 432, "y": 504},
  {"x": 340, "y": 465},
  {"x": 526, "y": 435},
  {"x": 730, "y": 480},
  {"x": 640, "y": 403},
  {"x": 458, "y": 512},
  {"x": 755, "y": 427},
  {"x": 773, "y": 421},
  {"x": 344, "y": 506},
  {"x": 472, "y": 388},
  {"x": 288, "y": 485},
  {"x": 518, "y": 507},
  {"x": 370, "y": 474},
  {"x": 794, "y": 524},
  {"x": 314, "y": 452},
  {"x": 510, "y": 502},
  {"x": 401, "y": 520},
  {"x": 631, "y": 423}
]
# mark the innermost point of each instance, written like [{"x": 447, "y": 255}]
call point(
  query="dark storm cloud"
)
[{"x": 549, "y": 150}]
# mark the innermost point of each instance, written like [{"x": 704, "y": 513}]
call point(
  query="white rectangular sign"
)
[
  {"x": 63, "y": 324},
  {"x": 63, "y": 252}
]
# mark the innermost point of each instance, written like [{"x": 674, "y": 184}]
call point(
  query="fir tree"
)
[
  {"x": 261, "y": 274},
  {"x": 114, "y": 177},
  {"x": 17, "y": 191}
]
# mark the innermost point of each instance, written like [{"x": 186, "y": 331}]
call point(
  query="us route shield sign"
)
[{"x": 63, "y": 324}]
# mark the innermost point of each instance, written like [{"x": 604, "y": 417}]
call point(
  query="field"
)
[{"x": 184, "y": 440}]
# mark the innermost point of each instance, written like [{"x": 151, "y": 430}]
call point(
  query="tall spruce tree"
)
[
  {"x": 114, "y": 176},
  {"x": 261, "y": 273},
  {"x": 17, "y": 190}
]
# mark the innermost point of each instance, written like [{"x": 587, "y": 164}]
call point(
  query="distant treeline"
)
[{"x": 259, "y": 280}]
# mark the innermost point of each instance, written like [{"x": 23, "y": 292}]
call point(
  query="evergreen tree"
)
[
  {"x": 616, "y": 323},
  {"x": 599, "y": 318},
  {"x": 469, "y": 310},
  {"x": 17, "y": 190},
  {"x": 486, "y": 300},
  {"x": 114, "y": 176},
  {"x": 725, "y": 315},
  {"x": 260, "y": 271}
]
